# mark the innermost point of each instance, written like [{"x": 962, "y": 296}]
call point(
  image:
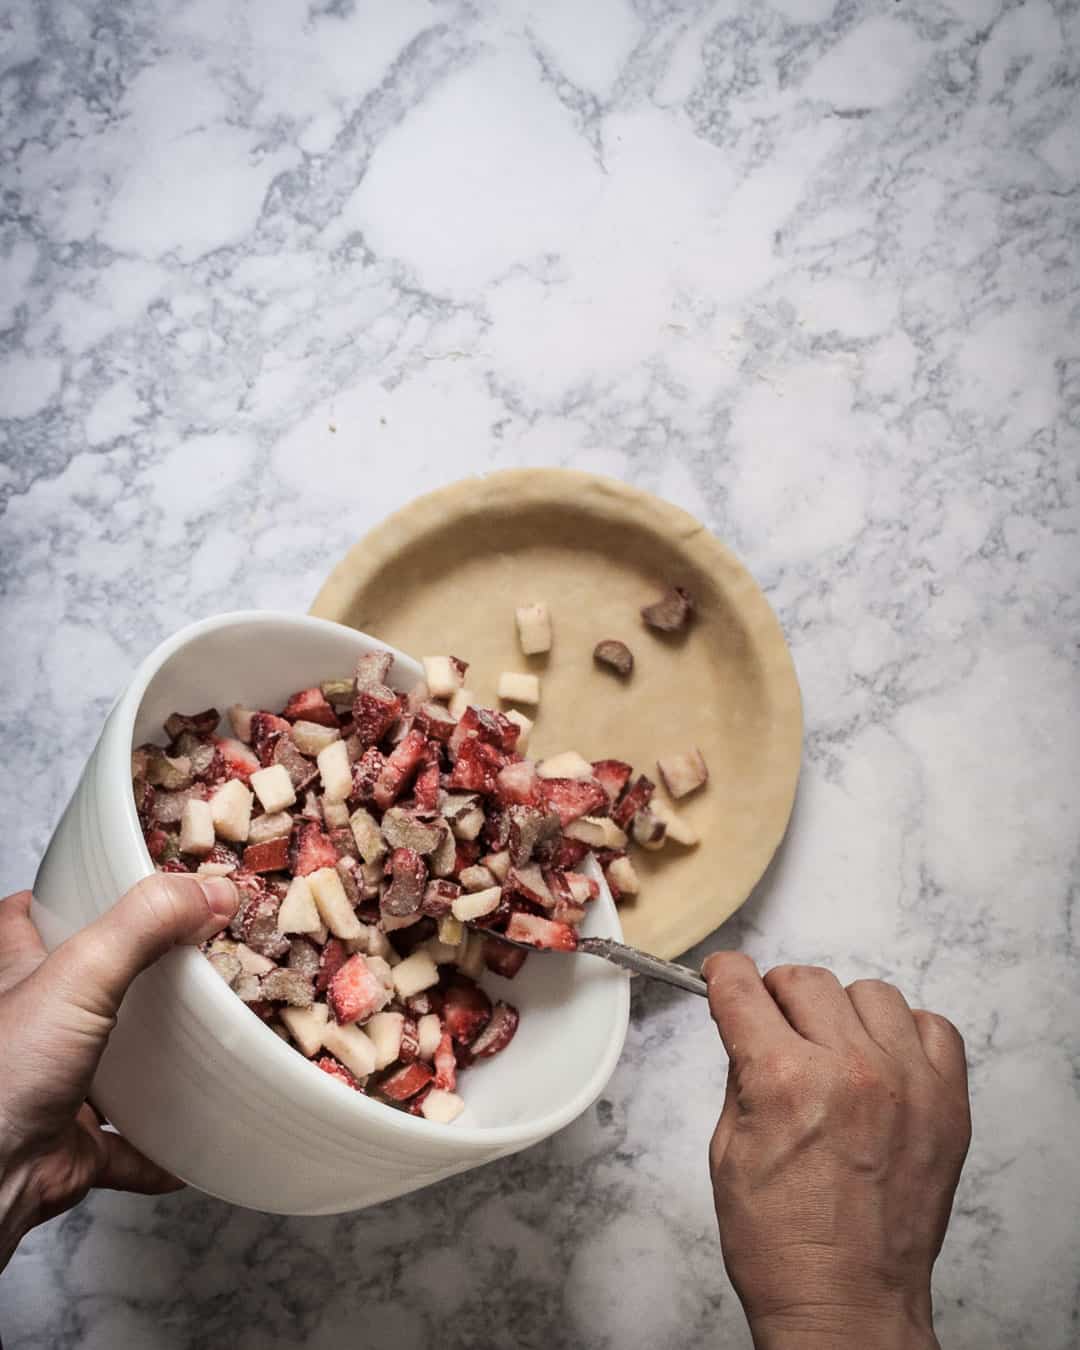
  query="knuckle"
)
[
  {"x": 161, "y": 903},
  {"x": 873, "y": 989},
  {"x": 940, "y": 1026}
]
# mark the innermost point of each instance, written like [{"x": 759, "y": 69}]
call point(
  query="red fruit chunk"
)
[
  {"x": 372, "y": 668},
  {"x": 634, "y": 799},
  {"x": 310, "y": 705},
  {"x": 366, "y": 772},
  {"x": 375, "y": 710},
  {"x": 407, "y": 1082},
  {"x": 445, "y": 1064},
  {"x": 439, "y": 895},
  {"x": 612, "y": 775},
  {"x": 406, "y": 891},
  {"x": 485, "y": 725},
  {"x": 157, "y": 842},
  {"x": 410, "y": 1040},
  {"x": 528, "y": 829},
  {"x": 502, "y": 958},
  {"x": 466, "y": 1009},
  {"x": 223, "y": 855},
  {"x": 426, "y": 790},
  {"x": 265, "y": 732},
  {"x": 239, "y": 761},
  {"x": 529, "y": 883},
  {"x": 401, "y": 764},
  {"x": 498, "y": 1033},
  {"x": 313, "y": 849},
  {"x": 174, "y": 865},
  {"x": 262, "y": 1008},
  {"x": 273, "y": 856},
  {"x": 330, "y": 1065},
  {"x": 477, "y": 767},
  {"x": 563, "y": 853},
  {"x": 465, "y": 854},
  {"x": 572, "y": 798},
  {"x": 356, "y": 992},
  {"x": 200, "y": 723},
  {"x": 428, "y": 1001},
  {"x": 300, "y": 769},
  {"x": 518, "y": 784},
  {"x": 539, "y": 932},
  {"x": 334, "y": 956},
  {"x": 434, "y": 721}
]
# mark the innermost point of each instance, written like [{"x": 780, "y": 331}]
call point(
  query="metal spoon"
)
[{"x": 619, "y": 954}]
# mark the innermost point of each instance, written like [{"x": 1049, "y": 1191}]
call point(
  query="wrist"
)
[
  {"x": 17, "y": 1206},
  {"x": 830, "y": 1328}
]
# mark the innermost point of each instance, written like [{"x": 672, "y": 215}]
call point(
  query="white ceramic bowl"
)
[{"x": 204, "y": 1087}]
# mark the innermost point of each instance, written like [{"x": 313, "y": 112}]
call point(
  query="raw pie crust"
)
[{"x": 445, "y": 574}]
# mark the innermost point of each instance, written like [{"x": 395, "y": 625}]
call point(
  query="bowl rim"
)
[{"x": 209, "y": 988}]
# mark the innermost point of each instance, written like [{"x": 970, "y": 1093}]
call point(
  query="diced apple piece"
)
[
  {"x": 516, "y": 687},
  {"x": 240, "y": 721},
  {"x": 475, "y": 905},
  {"x": 336, "y": 771},
  {"x": 273, "y": 787},
  {"x": 306, "y": 1026},
  {"x": 678, "y": 828},
  {"x": 443, "y": 675},
  {"x": 352, "y": 1046},
  {"x": 534, "y": 628},
  {"x": 312, "y": 738},
  {"x": 596, "y": 831},
  {"x": 416, "y": 973},
  {"x": 298, "y": 912},
  {"x": 196, "y": 828},
  {"x": 428, "y": 1035},
  {"x": 524, "y": 725},
  {"x": 368, "y": 836},
  {"x": 441, "y": 1107},
  {"x": 385, "y": 1030},
  {"x": 621, "y": 874},
  {"x": 498, "y": 864},
  {"x": 460, "y": 699},
  {"x": 476, "y": 878},
  {"x": 567, "y": 765},
  {"x": 231, "y": 809},
  {"x": 379, "y": 947},
  {"x": 275, "y": 825},
  {"x": 335, "y": 814},
  {"x": 333, "y": 904},
  {"x": 451, "y": 931},
  {"x": 215, "y": 869},
  {"x": 684, "y": 772}
]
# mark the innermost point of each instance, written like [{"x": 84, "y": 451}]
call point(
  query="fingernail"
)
[{"x": 221, "y": 895}]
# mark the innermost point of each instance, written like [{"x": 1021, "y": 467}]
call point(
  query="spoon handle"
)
[{"x": 682, "y": 977}]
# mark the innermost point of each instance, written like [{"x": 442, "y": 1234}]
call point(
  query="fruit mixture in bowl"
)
[{"x": 368, "y": 832}]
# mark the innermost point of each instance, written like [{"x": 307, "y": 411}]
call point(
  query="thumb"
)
[{"x": 93, "y": 969}]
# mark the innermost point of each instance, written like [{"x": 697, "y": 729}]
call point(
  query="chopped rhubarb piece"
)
[
  {"x": 266, "y": 731},
  {"x": 313, "y": 849},
  {"x": 516, "y": 687},
  {"x": 426, "y": 790},
  {"x": 311, "y": 737},
  {"x": 534, "y": 628},
  {"x": 498, "y": 1033},
  {"x": 566, "y": 852},
  {"x": 502, "y": 958},
  {"x": 348, "y": 869},
  {"x": 409, "y": 879},
  {"x": 401, "y": 764},
  {"x": 273, "y": 856},
  {"x": 612, "y": 775},
  {"x": 407, "y": 1082},
  {"x": 145, "y": 796},
  {"x": 372, "y": 668},
  {"x": 375, "y": 710},
  {"x": 518, "y": 784},
  {"x": 334, "y": 956},
  {"x": 443, "y": 674},
  {"x": 201, "y": 723},
  {"x": 355, "y": 992},
  {"x": 310, "y": 705},
  {"x": 401, "y": 829},
  {"x": 572, "y": 799},
  {"x": 477, "y": 767},
  {"x": 329, "y": 1065},
  {"x": 168, "y": 772},
  {"x": 273, "y": 787},
  {"x": 468, "y": 908},
  {"x": 683, "y": 773},
  {"x": 367, "y": 836},
  {"x": 435, "y": 721},
  {"x": 231, "y": 809},
  {"x": 614, "y": 654},
  {"x": 366, "y": 773},
  {"x": 636, "y": 797},
  {"x": 342, "y": 839},
  {"x": 671, "y": 612},
  {"x": 528, "y": 830},
  {"x": 540, "y": 932},
  {"x": 441, "y": 1108},
  {"x": 260, "y": 930},
  {"x": 303, "y": 957},
  {"x": 300, "y": 769},
  {"x": 286, "y": 986},
  {"x": 466, "y": 1009},
  {"x": 439, "y": 895}
]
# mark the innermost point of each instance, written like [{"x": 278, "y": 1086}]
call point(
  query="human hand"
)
[
  {"x": 56, "y": 1013},
  {"x": 842, "y": 1137}
]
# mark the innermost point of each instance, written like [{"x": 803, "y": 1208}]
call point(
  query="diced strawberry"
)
[
  {"x": 402, "y": 762},
  {"x": 410, "y": 1043},
  {"x": 157, "y": 842},
  {"x": 265, "y": 730},
  {"x": 273, "y": 856},
  {"x": 366, "y": 773},
  {"x": 334, "y": 956},
  {"x": 445, "y": 1064},
  {"x": 373, "y": 668},
  {"x": 465, "y": 854},
  {"x": 572, "y": 798},
  {"x": 223, "y": 856},
  {"x": 426, "y": 789},
  {"x": 356, "y": 992},
  {"x": 439, "y": 895},
  {"x": 375, "y": 710},
  {"x": 173, "y": 865},
  {"x": 406, "y": 891},
  {"x": 476, "y": 768},
  {"x": 529, "y": 883},
  {"x": 487, "y": 726},
  {"x": 502, "y": 958},
  {"x": 404, "y": 1083},
  {"x": 312, "y": 848},
  {"x": 330, "y": 1065},
  {"x": 634, "y": 799},
  {"x": 518, "y": 784},
  {"x": 540, "y": 932},
  {"x": 466, "y": 1009},
  {"x": 495, "y": 834},
  {"x": 434, "y": 721},
  {"x": 498, "y": 1033},
  {"x": 240, "y": 761},
  {"x": 310, "y": 705},
  {"x": 612, "y": 775}
]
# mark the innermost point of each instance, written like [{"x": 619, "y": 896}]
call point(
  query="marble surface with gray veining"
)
[{"x": 806, "y": 267}]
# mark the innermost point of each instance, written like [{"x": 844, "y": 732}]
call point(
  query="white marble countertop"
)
[{"x": 809, "y": 270}]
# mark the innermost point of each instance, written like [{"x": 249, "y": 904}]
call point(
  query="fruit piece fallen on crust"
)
[
  {"x": 614, "y": 654},
  {"x": 275, "y": 825},
  {"x": 648, "y": 829},
  {"x": 231, "y": 809},
  {"x": 621, "y": 877},
  {"x": 677, "y": 827},
  {"x": 517, "y": 687},
  {"x": 443, "y": 674},
  {"x": 683, "y": 773},
  {"x": 534, "y": 628},
  {"x": 671, "y": 612},
  {"x": 596, "y": 832},
  {"x": 197, "y": 828}
]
